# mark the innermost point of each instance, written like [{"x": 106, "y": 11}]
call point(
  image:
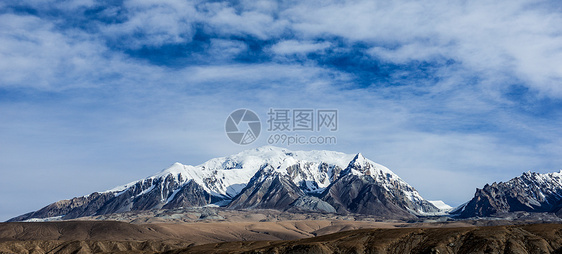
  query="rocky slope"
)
[
  {"x": 365, "y": 188},
  {"x": 538, "y": 238},
  {"x": 530, "y": 192},
  {"x": 267, "y": 177}
]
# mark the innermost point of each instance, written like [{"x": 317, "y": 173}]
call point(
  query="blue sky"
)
[{"x": 450, "y": 95}]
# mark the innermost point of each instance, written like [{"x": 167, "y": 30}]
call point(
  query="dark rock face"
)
[
  {"x": 73, "y": 207},
  {"x": 312, "y": 204},
  {"x": 328, "y": 173},
  {"x": 361, "y": 190},
  {"x": 357, "y": 194},
  {"x": 191, "y": 195},
  {"x": 155, "y": 193},
  {"x": 349, "y": 193},
  {"x": 267, "y": 190},
  {"x": 530, "y": 192}
]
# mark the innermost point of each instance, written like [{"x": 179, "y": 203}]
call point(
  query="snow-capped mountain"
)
[
  {"x": 530, "y": 192},
  {"x": 225, "y": 177},
  {"x": 266, "y": 177}
]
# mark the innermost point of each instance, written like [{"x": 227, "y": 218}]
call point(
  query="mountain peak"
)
[
  {"x": 359, "y": 165},
  {"x": 359, "y": 159},
  {"x": 176, "y": 168}
]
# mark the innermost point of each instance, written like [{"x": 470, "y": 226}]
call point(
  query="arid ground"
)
[{"x": 273, "y": 232}]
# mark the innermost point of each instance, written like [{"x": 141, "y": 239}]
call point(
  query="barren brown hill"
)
[
  {"x": 537, "y": 238},
  {"x": 302, "y": 236},
  {"x": 113, "y": 236}
]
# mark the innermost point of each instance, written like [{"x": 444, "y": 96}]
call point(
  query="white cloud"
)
[
  {"x": 226, "y": 20},
  {"x": 298, "y": 47},
  {"x": 68, "y": 6},
  {"x": 404, "y": 54},
  {"x": 504, "y": 38},
  {"x": 226, "y": 49},
  {"x": 36, "y": 55},
  {"x": 154, "y": 23},
  {"x": 515, "y": 41},
  {"x": 33, "y": 55},
  {"x": 256, "y": 76}
]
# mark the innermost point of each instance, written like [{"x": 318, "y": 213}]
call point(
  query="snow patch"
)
[
  {"x": 56, "y": 218},
  {"x": 441, "y": 205}
]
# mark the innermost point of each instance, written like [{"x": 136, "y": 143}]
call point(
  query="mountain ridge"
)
[
  {"x": 529, "y": 192},
  {"x": 249, "y": 179}
]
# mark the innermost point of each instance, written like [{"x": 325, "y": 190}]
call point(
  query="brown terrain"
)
[
  {"x": 288, "y": 236},
  {"x": 534, "y": 238},
  {"x": 114, "y": 236},
  {"x": 215, "y": 230}
]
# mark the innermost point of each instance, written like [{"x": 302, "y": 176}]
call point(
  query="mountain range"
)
[
  {"x": 530, "y": 192},
  {"x": 303, "y": 181},
  {"x": 263, "y": 178}
]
